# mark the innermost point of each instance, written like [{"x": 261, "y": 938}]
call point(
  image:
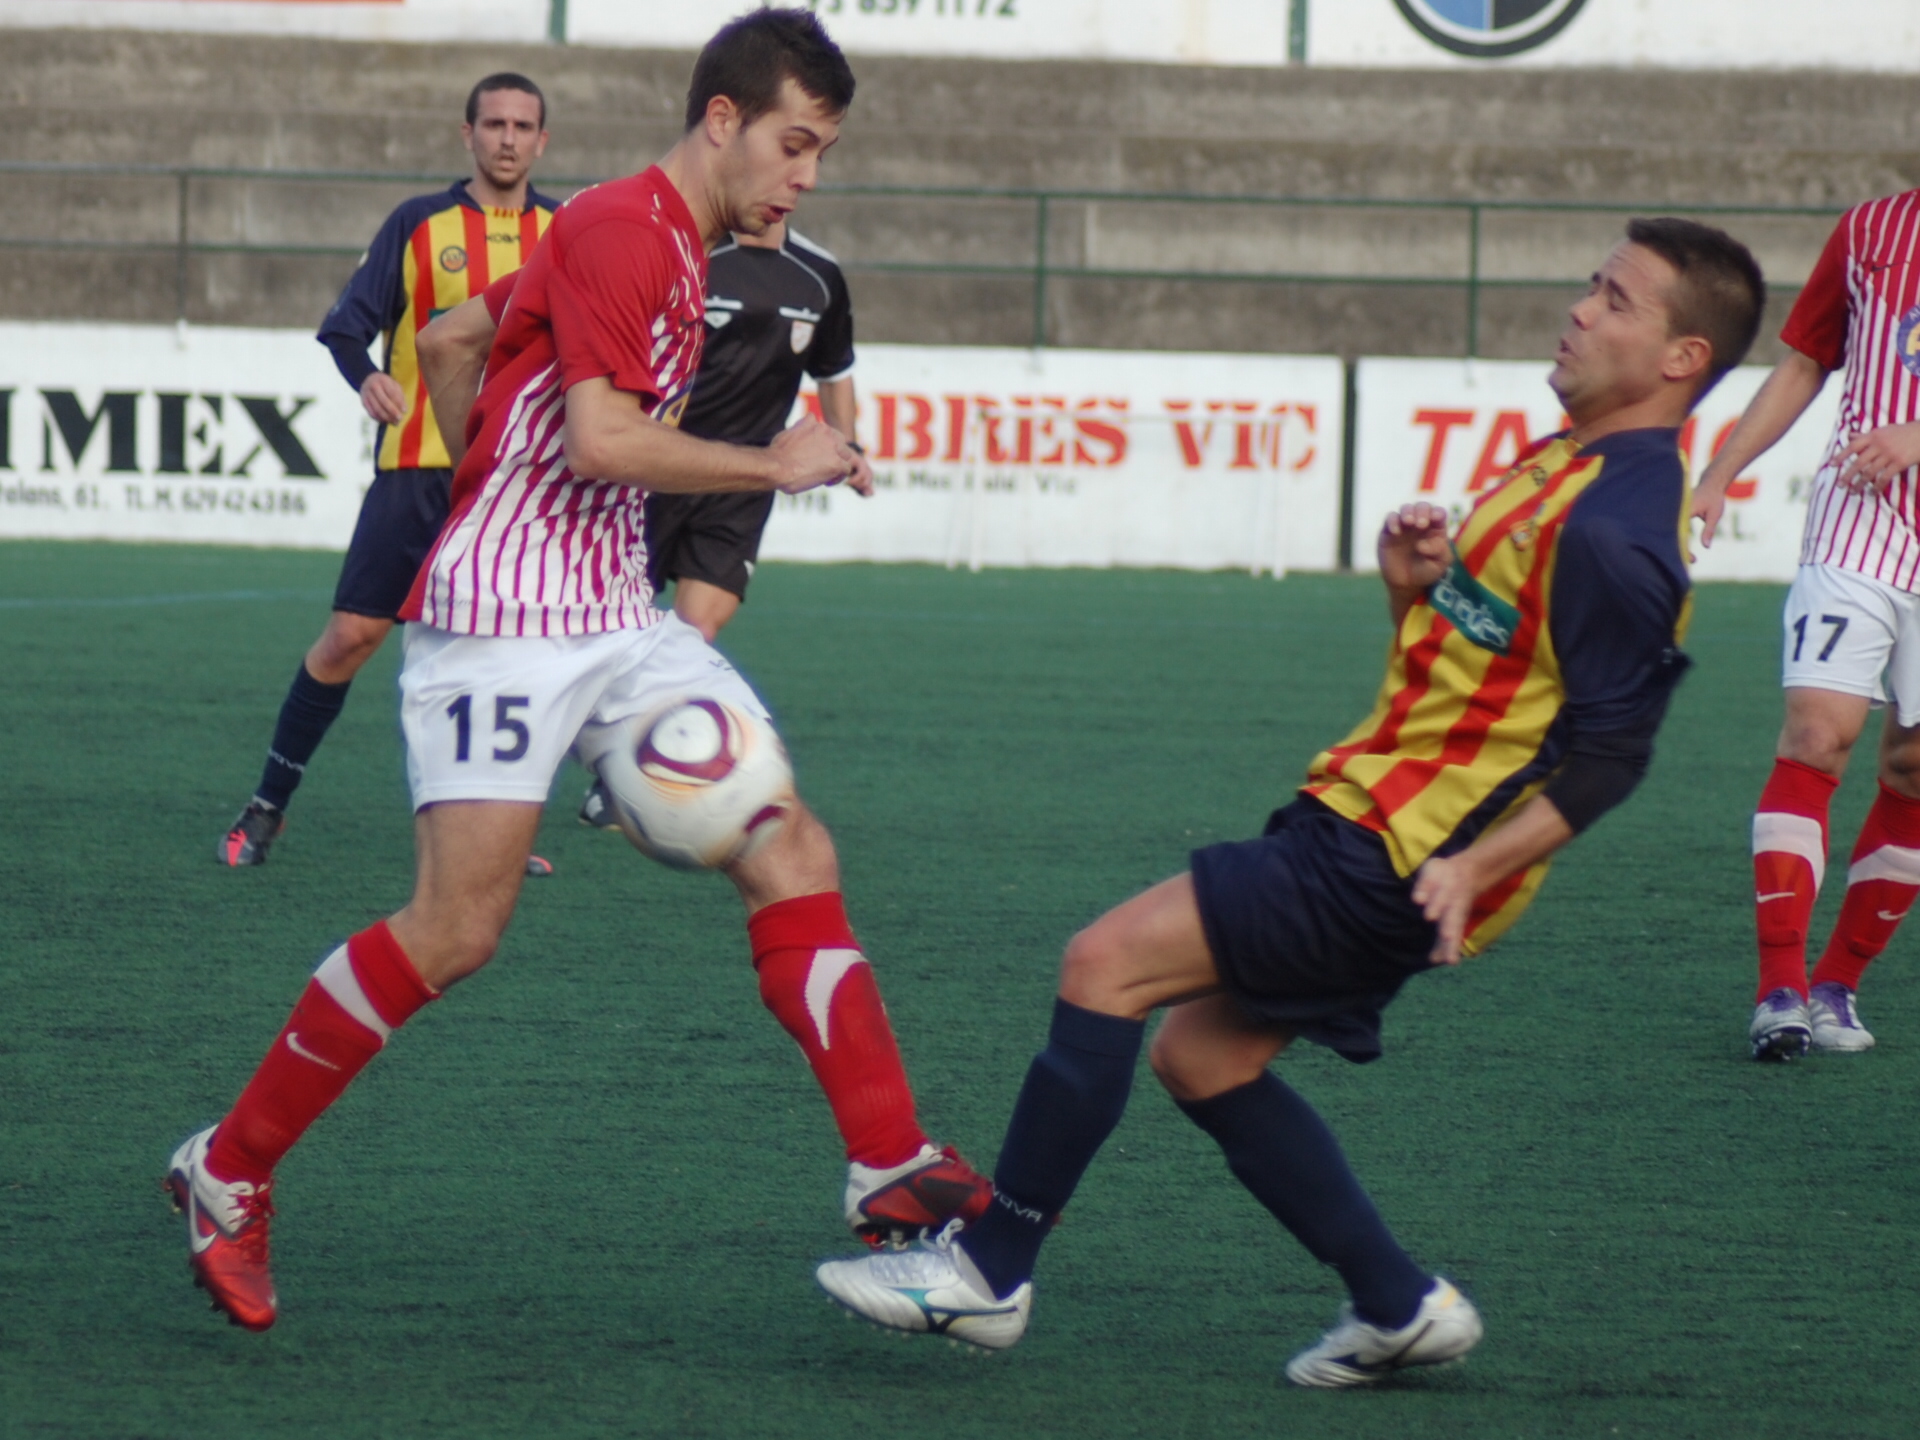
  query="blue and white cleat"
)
[
  {"x": 930, "y": 1288},
  {"x": 1834, "y": 1019},
  {"x": 1355, "y": 1353},
  {"x": 1781, "y": 1028}
]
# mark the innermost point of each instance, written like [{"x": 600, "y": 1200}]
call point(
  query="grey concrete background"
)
[{"x": 1646, "y": 140}]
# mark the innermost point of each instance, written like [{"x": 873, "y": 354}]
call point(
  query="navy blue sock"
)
[
  {"x": 1281, "y": 1150},
  {"x": 309, "y": 709},
  {"x": 1075, "y": 1093}
]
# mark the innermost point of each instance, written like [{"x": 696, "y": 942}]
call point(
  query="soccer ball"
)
[{"x": 698, "y": 785}]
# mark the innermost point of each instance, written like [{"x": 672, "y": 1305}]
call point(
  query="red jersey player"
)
[
  {"x": 1852, "y": 626},
  {"x": 533, "y": 621}
]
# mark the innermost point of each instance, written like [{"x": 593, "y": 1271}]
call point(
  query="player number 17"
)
[
  {"x": 1837, "y": 624},
  {"x": 504, "y": 723}
]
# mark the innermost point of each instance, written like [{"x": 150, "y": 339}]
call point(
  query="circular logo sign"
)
[
  {"x": 1907, "y": 339},
  {"x": 1488, "y": 29},
  {"x": 453, "y": 259}
]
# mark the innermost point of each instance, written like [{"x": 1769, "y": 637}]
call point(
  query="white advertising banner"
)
[
  {"x": 145, "y": 432},
  {"x": 427, "y": 20},
  {"x": 1441, "y": 430},
  {"x": 1715, "y": 34},
  {"x": 1085, "y": 457}
]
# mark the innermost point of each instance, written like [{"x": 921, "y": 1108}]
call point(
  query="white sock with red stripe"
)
[{"x": 1882, "y": 882}]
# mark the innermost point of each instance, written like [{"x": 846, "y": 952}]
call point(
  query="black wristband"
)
[{"x": 856, "y": 447}]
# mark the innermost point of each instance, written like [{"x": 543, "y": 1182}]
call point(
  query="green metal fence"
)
[{"x": 1040, "y": 270}]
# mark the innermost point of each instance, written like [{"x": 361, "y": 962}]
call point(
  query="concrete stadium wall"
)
[{"x": 1649, "y": 139}]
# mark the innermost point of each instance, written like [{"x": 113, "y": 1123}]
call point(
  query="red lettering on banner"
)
[
  {"x": 1509, "y": 427},
  {"x": 956, "y": 427},
  {"x": 1100, "y": 432},
  {"x": 1310, "y": 414},
  {"x": 917, "y": 431},
  {"x": 1193, "y": 448},
  {"x": 1443, "y": 423}
]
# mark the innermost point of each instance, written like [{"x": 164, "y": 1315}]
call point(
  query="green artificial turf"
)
[{"x": 582, "y": 1196}]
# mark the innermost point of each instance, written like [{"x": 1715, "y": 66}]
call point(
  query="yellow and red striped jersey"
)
[
  {"x": 1559, "y": 617},
  {"x": 434, "y": 252}
]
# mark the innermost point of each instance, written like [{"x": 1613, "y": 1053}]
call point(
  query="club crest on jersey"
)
[
  {"x": 1524, "y": 534},
  {"x": 1907, "y": 340},
  {"x": 453, "y": 259},
  {"x": 802, "y": 336},
  {"x": 1476, "y": 612}
]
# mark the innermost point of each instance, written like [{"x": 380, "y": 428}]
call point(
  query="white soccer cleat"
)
[
  {"x": 1355, "y": 1353},
  {"x": 1834, "y": 1020},
  {"x": 928, "y": 1289},
  {"x": 1780, "y": 1028}
]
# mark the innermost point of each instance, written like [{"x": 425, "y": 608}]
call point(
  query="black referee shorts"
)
[
  {"x": 399, "y": 521},
  {"x": 1311, "y": 927},
  {"x": 715, "y": 538}
]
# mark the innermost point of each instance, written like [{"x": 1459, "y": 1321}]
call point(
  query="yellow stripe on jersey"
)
[{"x": 452, "y": 256}]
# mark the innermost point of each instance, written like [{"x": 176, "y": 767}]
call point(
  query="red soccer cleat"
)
[
  {"x": 226, "y": 1235},
  {"x": 923, "y": 1194}
]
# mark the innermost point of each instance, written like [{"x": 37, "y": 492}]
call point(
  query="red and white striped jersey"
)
[
  {"x": 1861, "y": 307},
  {"x": 615, "y": 289}
]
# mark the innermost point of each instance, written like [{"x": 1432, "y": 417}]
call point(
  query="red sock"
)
[
  {"x": 1789, "y": 861},
  {"x": 361, "y": 994},
  {"x": 820, "y": 987},
  {"x": 1881, "y": 884}
]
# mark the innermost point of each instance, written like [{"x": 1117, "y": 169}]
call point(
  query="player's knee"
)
[
  {"x": 1191, "y": 1067},
  {"x": 1089, "y": 970},
  {"x": 1816, "y": 742}
]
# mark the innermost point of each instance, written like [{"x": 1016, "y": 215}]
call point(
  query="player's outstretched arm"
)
[
  {"x": 453, "y": 359},
  {"x": 1445, "y": 888},
  {"x": 1414, "y": 552},
  {"x": 609, "y": 437},
  {"x": 1781, "y": 401}
]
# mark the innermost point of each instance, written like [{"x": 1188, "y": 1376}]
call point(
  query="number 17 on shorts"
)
[{"x": 1854, "y": 635}]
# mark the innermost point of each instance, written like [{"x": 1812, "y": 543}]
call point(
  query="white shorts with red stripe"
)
[
  {"x": 1853, "y": 634},
  {"x": 490, "y": 717}
]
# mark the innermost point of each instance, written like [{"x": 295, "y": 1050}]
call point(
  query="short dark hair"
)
[
  {"x": 505, "y": 80},
  {"x": 750, "y": 57},
  {"x": 1720, "y": 292}
]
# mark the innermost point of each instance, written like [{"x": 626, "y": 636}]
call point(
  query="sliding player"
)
[
  {"x": 533, "y": 619},
  {"x": 433, "y": 253},
  {"x": 1852, "y": 626},
  {"x": 1532, "y": 662}
]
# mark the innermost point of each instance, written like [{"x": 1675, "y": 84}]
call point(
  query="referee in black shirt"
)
[{"x": 777, "y": 309}]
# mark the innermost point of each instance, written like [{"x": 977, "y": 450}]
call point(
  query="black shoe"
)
[
  {"x": 247, "y": 842},
  {"x": 597, "y": 808}
]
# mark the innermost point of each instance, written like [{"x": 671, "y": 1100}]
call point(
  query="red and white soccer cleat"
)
[
  {"x": 226, "y": 1235},
  {"x": 921, "y": 1195}
]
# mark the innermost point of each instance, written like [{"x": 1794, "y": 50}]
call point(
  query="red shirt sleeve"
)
[
  {"x": 1817, "y": 328},
  {"x": 607, "y": 288},
  {"x": 498, "y": 294}
]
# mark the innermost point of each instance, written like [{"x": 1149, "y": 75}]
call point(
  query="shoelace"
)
[{"x": 251, "y": 1235}]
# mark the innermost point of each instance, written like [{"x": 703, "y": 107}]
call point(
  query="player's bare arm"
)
[
  {"x": 1781, "y": 401},
  {"x": 453, "y": 358},
  {"x": 840, "y": 410},
  {"x": 1414, "y": 552},
  {"x": 609, "y": 437},
  {"x": 1446, "y": 887}
]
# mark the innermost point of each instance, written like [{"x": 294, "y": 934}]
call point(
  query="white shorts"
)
[
  {"x": 491, "y": 717},
  {"x": 1850, "y": 633}
]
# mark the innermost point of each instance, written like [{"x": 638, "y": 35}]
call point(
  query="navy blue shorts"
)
[
  {"x": 715, "y": 538},
  {"x": 399, "y": 521},
  {"x": 1311, "y": 927}
]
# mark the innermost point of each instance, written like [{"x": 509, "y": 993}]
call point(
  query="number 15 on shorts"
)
[{"x": 510, "y": 736}]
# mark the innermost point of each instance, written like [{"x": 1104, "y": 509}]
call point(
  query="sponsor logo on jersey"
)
[
  {"x": 453, "y": 259},
  {"x": 1476, "y": 612},
  {"x": 1488, "y": 29},
  {"x": 1907, "y": 340}
]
